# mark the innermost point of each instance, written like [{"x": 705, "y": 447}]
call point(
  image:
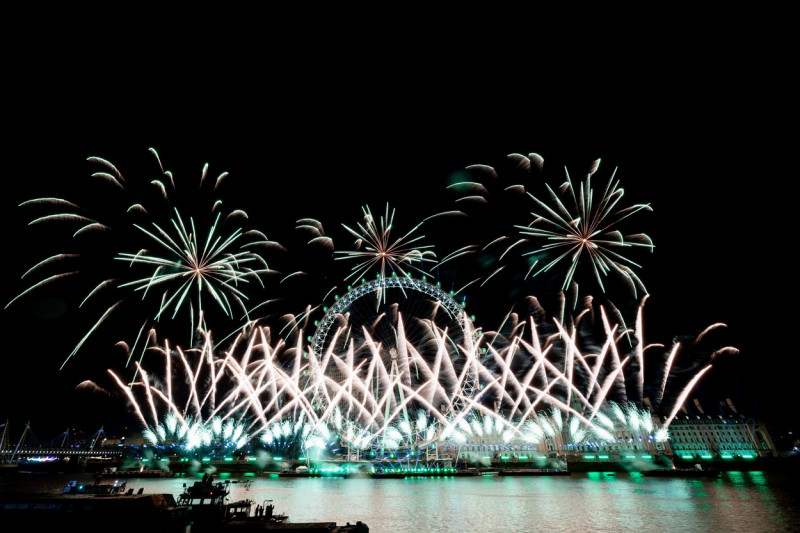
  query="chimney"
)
[
  {"x": 699, "y": 407},
  {"x": 730, "y": 404}
]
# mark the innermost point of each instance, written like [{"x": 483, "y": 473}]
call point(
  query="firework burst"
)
[
  {"x": 578, "y": 228},
  {"x": 582, "y": 228},
  {"x": 168, "y": 263},
  {"x": 376, "y": 249}
]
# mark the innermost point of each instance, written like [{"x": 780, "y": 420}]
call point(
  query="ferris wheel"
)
[{"x": 398, "y": 349}]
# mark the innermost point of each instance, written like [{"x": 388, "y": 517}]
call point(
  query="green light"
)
[
  {"x": 277, "y": 459},
  {"x": 602, "y": 456},
  {"x": 523, "y": 457},
  {"x": 647, "y": 456},
  {"x": 206, "y": 459},
  {"x": 228, "y": 459},
  {"x": 687, "y": 456},
  {"x": 589, "y": 457},
  {"x": 747, "y": 456},
  {"x": 630, "y": 457}
]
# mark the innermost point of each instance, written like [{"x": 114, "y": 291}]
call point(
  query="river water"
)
[{"x": 748, "y": 502}]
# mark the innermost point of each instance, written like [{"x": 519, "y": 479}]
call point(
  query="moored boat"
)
[
  {"x": 125, "y": 512},
  {"x": 681, "y": 472},
  {"x": 534, "y": 472},
  {"x": 92, "y": 512},
  {"x": 205, "y": 489},
  {"x": 116, "y": 473},
  {"x": 77, "y": 487}
]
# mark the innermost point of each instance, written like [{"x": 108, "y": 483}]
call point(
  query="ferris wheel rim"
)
[{"x": 453, "y": 308}]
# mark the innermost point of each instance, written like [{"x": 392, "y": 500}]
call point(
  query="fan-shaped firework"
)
[
  {"x": 576, "y": 228},
  {"x": 375, "y": 249},
  {"x": 134, "y": 246},
  {"x": 535, "y": 392},
  {"x": 581, "y": 228}
]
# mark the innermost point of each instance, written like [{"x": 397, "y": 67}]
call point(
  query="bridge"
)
[
  {"x": 26, "y": 453},
  {"x": 24, "y": 450}
]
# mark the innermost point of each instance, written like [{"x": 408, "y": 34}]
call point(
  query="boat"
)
[
  {"x": 205, "y": 489},
  {"x": 202, "y": 509},
  {"x": 681, "y": 472},
  {"x": 240, "y": 515},
  {"x": 93, "y": 512},
  {"x": 76, "y": 487},
  {"x": 113, "y": 472},
  {"x": 209, "y": 512},
  {"x": 535, "y": 472},
  {"x": 400, "y": 474}
]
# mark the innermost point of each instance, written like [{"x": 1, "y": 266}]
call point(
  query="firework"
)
[
  {"x": 376, "y": 249},
  {"x": 407, "y": 371},
  {"x": 534, "y": 390},
  {"x": 169, "y": 263},
  {"x": 576, "y": 227},
  {"x": 581, "y": 228}
]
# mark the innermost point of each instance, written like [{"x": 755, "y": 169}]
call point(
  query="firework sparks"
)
[
  {"x": 168, "y": 262},
  {"x": 576, "y": 227},
  {"x": 396, "y": 377},
  {"x": 535, "y": 389},
  {"x": 582, "y": 227},
  {"x": 375, "y": 248}
]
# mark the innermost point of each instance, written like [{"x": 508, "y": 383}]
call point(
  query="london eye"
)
[{"x": 393, "y": 356}]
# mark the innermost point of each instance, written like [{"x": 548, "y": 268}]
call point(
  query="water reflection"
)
[{"x": 750, "y": 502}]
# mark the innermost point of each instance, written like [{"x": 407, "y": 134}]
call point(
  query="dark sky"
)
[{"x": 710, "y": 156}]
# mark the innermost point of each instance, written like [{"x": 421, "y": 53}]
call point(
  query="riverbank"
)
[{"x": 183, "y": 467}]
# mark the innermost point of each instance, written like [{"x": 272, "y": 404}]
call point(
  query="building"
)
[{"x": 696, "y": 435}]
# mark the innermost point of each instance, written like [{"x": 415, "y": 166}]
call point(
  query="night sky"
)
[{"x": 717, "y": 171}]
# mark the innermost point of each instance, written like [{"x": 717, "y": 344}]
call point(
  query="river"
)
[{"x": 750, "y": 502}]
